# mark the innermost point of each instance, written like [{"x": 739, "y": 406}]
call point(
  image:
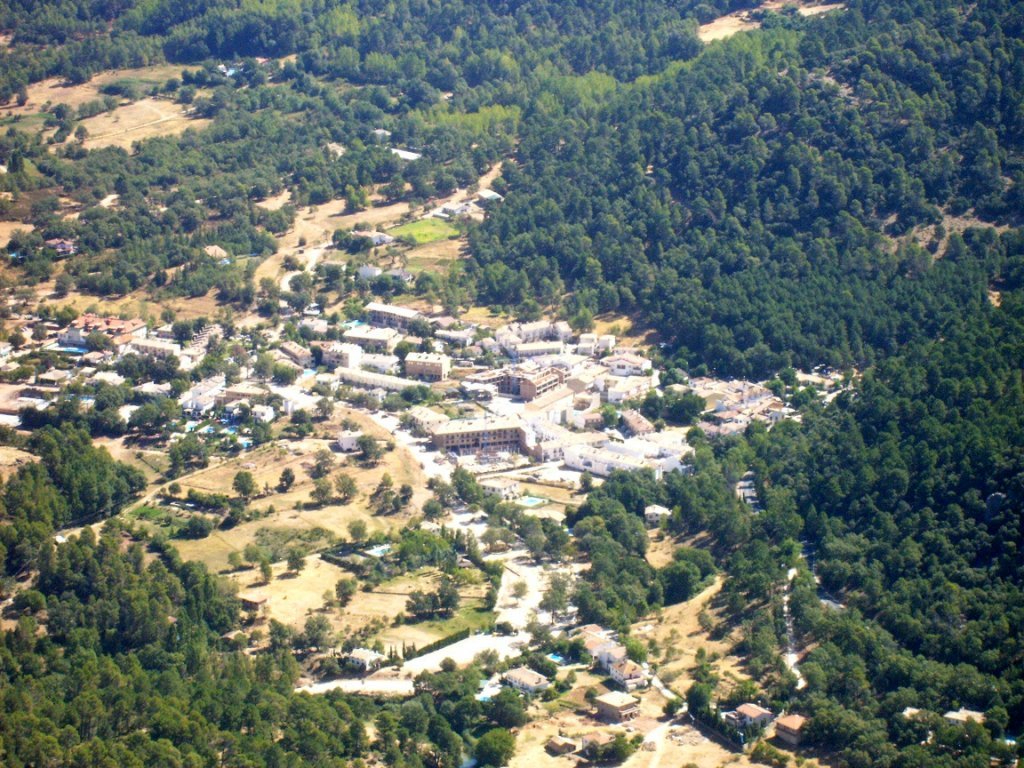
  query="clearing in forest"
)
[
  {"x": 136, "y": 121},
  {"x": 742, "y": 21}
]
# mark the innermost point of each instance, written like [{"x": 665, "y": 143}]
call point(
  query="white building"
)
[
  {"x": 655, "y": 513},
  {"x": 343, "y": 354},
  {"x": 628, "y": 674},
  {"x": 348, "y": 440},
  {"x": 365, "y": 659},
  {"x": 627, "y": 364},
  {"x": 526, "y": 680},
  {"x": 264, "y": 413},
  {"x": 505, "y": 488}
]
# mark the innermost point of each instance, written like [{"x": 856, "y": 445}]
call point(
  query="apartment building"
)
[
  {"x": 390, "y": 316},
  {"x": 427, "y": 366},
  {"x": 482, "y": 436}
]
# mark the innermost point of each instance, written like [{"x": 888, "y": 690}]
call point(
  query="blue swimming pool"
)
[{"x": 531, "y": 501}]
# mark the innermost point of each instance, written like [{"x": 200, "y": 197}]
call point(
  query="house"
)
[
  {"x": 505, "y": 488},
  {"x": 789, "y": 729},
  {"x": 263, "y": 413},
  {"x": 427, "y": 366},
  {"x": 636, "y": 423},
  {"x": 368, "y": 271},
  {"x": 253, "y": 602},
  {"x": 654, "y": 514},
  {"x": 365, "y": 659},
  {"x": 610, "y": 654},
  {"x": 348, "y": 440},
  {"x": 527, "y": 681},
  {"x": 53, "y": 377},
  {"x": 592, "y": 742},
  {"x": 152, "y": 389},
  {"x": 617, "y": 707},
  {"x": 619, "y": 389},
  {"x": 404, "y": 275},
  {"x": 747, "y": 715},
  {"x": 378, "y": 239},
  {"x": 316, "y": 325},
  {"x": 297, "y": 353},
  {"x": 487, "y": 196},
  {"x": 628, "y": 674},
  {"x": 560, "y": 745},
  {"x": 120, "y": 332},
  {"x": 962, "y": 716},
  {"x": 627, "y": 364},
  {"x": 62, "y": 247}
]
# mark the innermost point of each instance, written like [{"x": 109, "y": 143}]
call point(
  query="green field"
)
[{"x": 425, "y": 231}]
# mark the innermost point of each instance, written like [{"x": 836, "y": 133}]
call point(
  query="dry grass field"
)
[
  {"x": 266, "y": 465},
  {"x": 55, "y": 91},
  {"x": 679, "y": 635},
  {"x": 8, "y": 228},
  {"x": 11, "y": 458},
  {"x": 139, "y": 120}
]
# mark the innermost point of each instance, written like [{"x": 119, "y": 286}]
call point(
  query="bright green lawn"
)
[{"x": 425, "y": 231}]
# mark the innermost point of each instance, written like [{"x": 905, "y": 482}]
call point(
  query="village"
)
[{"x": 535, "y": 412}]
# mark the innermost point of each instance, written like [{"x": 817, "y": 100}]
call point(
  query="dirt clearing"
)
[
  {"x": 8, "y": 228},
  {"x": 745, "y": 20},
  {"x": 139, "y": 120}
]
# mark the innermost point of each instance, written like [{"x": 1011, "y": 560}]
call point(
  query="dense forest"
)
[{"x": 841, "y": 190}]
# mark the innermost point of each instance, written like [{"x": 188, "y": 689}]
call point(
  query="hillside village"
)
[{"x": 533, "y": 414}]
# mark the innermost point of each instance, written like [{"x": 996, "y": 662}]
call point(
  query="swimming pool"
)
[{"x": 531, "y": 501}]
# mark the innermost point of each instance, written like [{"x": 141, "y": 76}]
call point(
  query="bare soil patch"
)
[{"x": 742, "y": 21}]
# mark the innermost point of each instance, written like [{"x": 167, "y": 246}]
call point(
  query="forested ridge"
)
[
  {"x": 819, "y": 192},
  {"x": 752, "y": 205}
]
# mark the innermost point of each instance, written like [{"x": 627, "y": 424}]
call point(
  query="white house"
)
[
  {"x": 348, "y": 440},
  {"x": 627, "y": 364},
  {"x": 264, "y": 413},
  {"x": 654, "y": 514},
  {"x": 365, "y": 659},
  {"x": 526, "y": 680},
  {"x": 628, "y": 674}
]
